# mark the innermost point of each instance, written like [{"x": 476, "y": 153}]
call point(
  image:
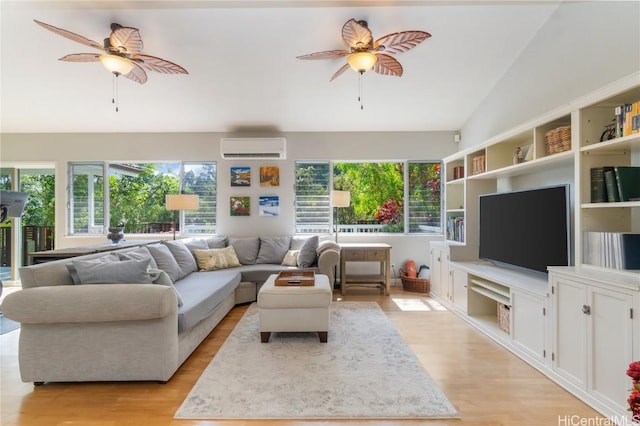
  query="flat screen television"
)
[{"x": 527, "y": 229}]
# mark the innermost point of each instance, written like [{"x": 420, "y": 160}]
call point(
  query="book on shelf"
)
[
  {"x": 598, "y": 186},
  {"x": 616, "y": 250},
  {"x": 611, "y": 186},
  {"x": 628, "y": 181},
  {"x": 627, "y": 118},
  {"x": 455, "y": 228}
]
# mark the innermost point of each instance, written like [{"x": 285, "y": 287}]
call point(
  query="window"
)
[
  {"x": 135, "y": 197},
  {"x": 313, "y": 213},
  {"x": 393, "y": 197}
]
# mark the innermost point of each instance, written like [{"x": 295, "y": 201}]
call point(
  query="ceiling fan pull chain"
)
[
  {"x": 114, "y": 97},
  {"x": 360, "y": 90}
]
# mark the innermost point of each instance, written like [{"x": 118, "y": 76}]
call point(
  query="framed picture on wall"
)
[
  {"x": 240, "y": 206},
  {"x": 269, "y": 176},
  {"x": 269, "y": 205},
  {"x": 240, "y": 176}
]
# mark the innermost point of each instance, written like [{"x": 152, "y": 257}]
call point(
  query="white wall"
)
[
  {"x": 56, "y": 150},
  {"x": 584, "y": 46}
]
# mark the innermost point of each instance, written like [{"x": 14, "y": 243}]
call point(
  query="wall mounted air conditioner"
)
[{"x": 253, "y": 148}]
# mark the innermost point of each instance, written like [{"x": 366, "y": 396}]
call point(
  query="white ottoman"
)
[{"x": 295, "y": 308}]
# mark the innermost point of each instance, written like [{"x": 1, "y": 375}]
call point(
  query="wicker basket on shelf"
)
[
  {"x": 417, "y": 285},
  {"x": 558, "y": 140}
]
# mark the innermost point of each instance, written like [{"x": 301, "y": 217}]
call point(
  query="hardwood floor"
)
[{"x": 487, "y": 384}]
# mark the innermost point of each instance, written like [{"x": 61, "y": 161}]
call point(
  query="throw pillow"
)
[
  {"x": 138, "y": 253},
  {"x": 123, "y": 272},
  {"x": 327, "y": 245},
  {"x": 73, "y": 272},
  {"x": 183, "y": 256},
  {"x": 246, "y": 248},
  {"x": 160, "y": 277},
  {"x": 273, "y": 249},
  {"x": 165, "y": 261},
  {"x": 307, "y": 247},
  {"x": 218, "y": 241},
  {"x": 199, "y": 244},
  {"x": 213, "y": 259},
  {"x": 291, "y": 258}
]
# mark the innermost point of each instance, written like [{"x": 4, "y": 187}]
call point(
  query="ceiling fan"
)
[
  {"x": 122, "y": 54},
  {"x": 365, "y": 54}
]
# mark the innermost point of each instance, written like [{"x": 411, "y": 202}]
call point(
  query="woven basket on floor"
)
[
  {"x": 418, "y": 285},
  {"x": 558, "y": 140}
]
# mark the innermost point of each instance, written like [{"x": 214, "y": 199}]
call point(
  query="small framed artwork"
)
[
  {"x": 240, "y": 176},
  {"x": 269, "y": 176},
  {"x": 269, "y": 205},
  {"x": 240, "y": 206}
]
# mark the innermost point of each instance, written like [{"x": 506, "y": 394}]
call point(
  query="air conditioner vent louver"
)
[{"x": 253, "y": 148}]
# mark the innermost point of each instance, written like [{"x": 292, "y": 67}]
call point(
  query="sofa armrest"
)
[
  {"x": 327, "y": 262},
  {"x": 90, "y": 303}
]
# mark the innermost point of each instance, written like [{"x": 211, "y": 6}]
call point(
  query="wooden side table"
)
[{"x": 373, "y": 252}]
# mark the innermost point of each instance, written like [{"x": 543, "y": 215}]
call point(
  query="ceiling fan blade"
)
[
  {"x": 159, "y": 65},
  {"x": 339, "y": 72},
  {"x": 71, "y": 36},
  {"x": 327, "y": 54},
  {"x": 136, "y": 74},
  {"x": 126, "y": 40},
  {"x": 401, "y": 42},
  {"x": 387, "y": 65},
  {"x": 356, "y": 35},
  {"x": 81, "y": 57}
]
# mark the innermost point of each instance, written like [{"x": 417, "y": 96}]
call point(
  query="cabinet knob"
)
[{"x": 586, "y": 309}]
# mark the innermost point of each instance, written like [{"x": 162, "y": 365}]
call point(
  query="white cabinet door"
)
[
  {"x": 440, "y": 270},
  {"x": 435, "y": 271},
  {"x": 459, "y": 284},
  {"x": 610, "y": 350},
  {"x": 569, "y": 298},
  {"x": 528, "y": 323}
]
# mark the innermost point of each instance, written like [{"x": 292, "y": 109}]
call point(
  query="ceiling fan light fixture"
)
[
  {"x": 362, "y": 61},
  {"x": 116, "y": 64}
]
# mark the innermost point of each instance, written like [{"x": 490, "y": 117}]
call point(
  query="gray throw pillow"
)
[
  {"x": 73, "y": 272},
  {"x": 138, "y": 253},
  {"x": 123, "y": 272},
  {"x": 160, "y": 277},
  {"x": 246, "y": 249},
  {"x": 183, "y": 256},
  {"x": 165, "y": 260},
  {"x": 307, "y": 247},
  {"x": 273, "y": 249},
  {"x": 218, "y": 241},
  {"x": 199, "y": 244}
]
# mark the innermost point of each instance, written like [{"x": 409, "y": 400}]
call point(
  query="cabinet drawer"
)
[
  {"x": 376, "y": 255},
  {"x": 353, "y": 255}
]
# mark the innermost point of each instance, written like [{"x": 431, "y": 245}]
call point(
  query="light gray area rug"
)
[{"x": 364, "y": 371}]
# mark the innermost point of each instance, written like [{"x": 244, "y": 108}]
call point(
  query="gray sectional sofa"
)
[{"x": 136, "y": 314}]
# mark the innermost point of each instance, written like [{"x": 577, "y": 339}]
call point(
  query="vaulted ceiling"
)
[{"x": 243, "y": 71}]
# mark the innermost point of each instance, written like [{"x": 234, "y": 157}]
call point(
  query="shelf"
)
[
  {"x": 540, "y": 164},
  {"x": 621, "y": 144},
  {"x": 491, "y": 295},
  {"x": 455, "y": 211},
  {"x": 364, "y": 279},
  {"x": 613, "y": 205},
  {"x": 456, "y": 182}
]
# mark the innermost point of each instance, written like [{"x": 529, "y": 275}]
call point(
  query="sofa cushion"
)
[
  {"x": 202, "y": 293},
  {"x": 213, "y": 259},
  {"x": 165, "y": 261},
  {"x": 138, "y": 253},
  {"x": 123, "y": 272},
  {"x": 160, "y": 277},
  {"x": 183, "y": 256},
  {"x": 259, "y": 273},
  {"x": 307, "y": 247},
  {"x": 273, "y": 249},
  {"x": 199, "y": 244},
  {"x": 291, "y": 258},
  {"x": 218, "y": 241},
  {"x": 246, "y": 249},
  {"x": 73, "y": 272}
]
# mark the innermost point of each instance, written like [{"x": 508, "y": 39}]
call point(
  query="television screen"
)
[{"x": 529, "y": 228}]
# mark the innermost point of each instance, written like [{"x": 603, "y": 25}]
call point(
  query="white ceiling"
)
[{"x": 243, "y": 71}]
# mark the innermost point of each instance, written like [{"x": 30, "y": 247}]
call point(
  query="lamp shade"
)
[
  {"x": 340, "y": 198},
  {"x": 116, "y": 64},
  {"x": 362, "y": 61},
  {"x": 182, "y": 202}
]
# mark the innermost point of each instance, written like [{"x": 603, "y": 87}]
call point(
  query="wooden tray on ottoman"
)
[{"x": 289, "y": 278}]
